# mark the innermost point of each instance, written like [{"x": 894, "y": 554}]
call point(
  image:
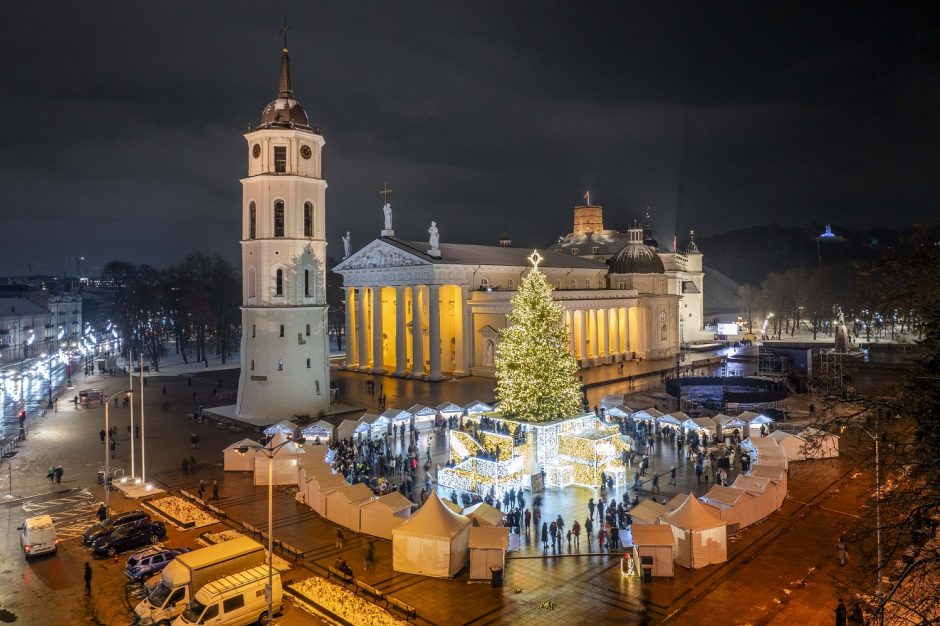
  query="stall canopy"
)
[
  {"x": 611, "y": 400},
  {"x": 488, "y": 548},
  {"x": 789, "y": 444},
  {"x": 647, "y": 512},
  {"x": 433, "y": 542},
  {"x": 397, "y": 416},
  {"x": 285, "y": 461},
  {"x": 733, "y": 505},
  {"x": 657, "y": 541},
  {"x": 818, "y": 444},
  {"x": 778, "y": 481},
  {"x": 234, "y": 460},
  {"x": 379, "y": 516},
  {"x": 671, "y": 419},
  {"x": 676, "y": 501},
  {"x": 425, "y": 416},
  {"x": 321, "y": 431},
  {"x": 478, "y": 406},
  {"x": 726, "y": 422},
  {"x": 284, "y": 427},
  {"x": 453, "y": 506},
  {"x": 646, "y": 414},
  {"x": 701, "y": 538},
  {"x": 342, "y": 505},
  {"x": 346, "y": 429},
  {"x": 482, "y": 514},
  {"x": 765, "y": 501},
  {"x": 449, "y": 409},
  {"x": 319, "y": 486},
  {"x": 621, "y": 410}
]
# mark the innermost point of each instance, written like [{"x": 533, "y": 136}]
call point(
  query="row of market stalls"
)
[{"x": 372, "y": 426}]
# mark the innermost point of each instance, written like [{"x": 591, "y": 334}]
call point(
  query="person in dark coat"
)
[
  {"x": 87, "y": 578},
  {"x": 841, "y": 614}
]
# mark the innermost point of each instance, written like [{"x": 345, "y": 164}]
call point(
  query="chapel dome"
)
[{"x": 637, "y": 257}]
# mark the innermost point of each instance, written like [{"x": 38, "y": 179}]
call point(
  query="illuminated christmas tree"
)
[{"x": 536, "y": 375}]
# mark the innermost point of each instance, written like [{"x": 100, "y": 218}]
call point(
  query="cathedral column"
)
[
  {"x": 401, "y": 339},
  {"x": 614, "y": 333},
  {"x": 417, "y": 334},
  {"x": 363, "y": 331},
  {"x": 434, "y": 332},
  {"x": 583, "y": 338},
  {"x": 378, "y": 353},
  {"x": 569, "y": 326},
  {"x": 460, "y": 336},
  {"x": 603, "y": 332},
  {"x": 349, "y": 330}
]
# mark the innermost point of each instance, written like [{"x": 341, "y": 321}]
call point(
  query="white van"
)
[
  {"x": 235, "y": 600},
  {"x": 38, "y": 536}
]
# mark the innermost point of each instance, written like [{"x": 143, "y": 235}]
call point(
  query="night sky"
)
[{"x": 123, "y": 121}]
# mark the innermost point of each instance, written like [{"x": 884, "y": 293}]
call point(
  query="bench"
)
[
  {"x": 375, "y": 593},
  {"x": 409, "y": 611},
  {"x": 339, "y": 574}
]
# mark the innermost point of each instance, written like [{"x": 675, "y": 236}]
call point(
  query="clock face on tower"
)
[
  {"x": 305, "y": 152},
  {"x": 256, "y": 151}
]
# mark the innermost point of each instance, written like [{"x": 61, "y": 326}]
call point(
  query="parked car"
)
[
  {"x": 129, "y": 536},
  {"x": 108, "y": 525},
  {"x": 147, "y": 562}
]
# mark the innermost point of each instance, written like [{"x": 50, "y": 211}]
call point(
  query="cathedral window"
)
[
  {"x": 510, "y": 284},
  {"x": 308, "y": 363},
  {"x": 252, "y": 365},
  {"x": 308, "y": 330},
  {"x": 279, "y": 283},
  {"x": 307, "y": 285},
  {"x": 280, "y": 159},
  {"x": 308, "y": 219},
  {"x": 662, "y": 316},
  {"x": 587, "y": 283},
  {"x": 282, "y": 330},
  {"x": 279, "y": 218},
  {"x": 252, "y": 220}
]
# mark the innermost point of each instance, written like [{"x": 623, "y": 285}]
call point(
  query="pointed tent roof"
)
[
  {"x": 692, "y": 515},
  {"x": 434, "y": 519}
]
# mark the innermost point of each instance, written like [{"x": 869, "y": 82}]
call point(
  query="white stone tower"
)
[{"x": 285, "y": 344}]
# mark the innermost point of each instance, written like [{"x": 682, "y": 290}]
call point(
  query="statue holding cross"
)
[{"x": 387, "y": 210}]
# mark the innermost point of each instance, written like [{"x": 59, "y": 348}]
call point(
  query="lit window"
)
[
  {"x": 280, "y": 159},
  {"x": 279, "y": 283},
  {"x": 308, "y": 219},
  {"x": 279, "y": 218}
]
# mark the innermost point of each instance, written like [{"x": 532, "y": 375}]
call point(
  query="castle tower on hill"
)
[{"x": 285, "y": 344}]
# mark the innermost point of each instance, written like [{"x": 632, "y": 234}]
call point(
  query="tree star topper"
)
[{"x": 535, "y": 258}]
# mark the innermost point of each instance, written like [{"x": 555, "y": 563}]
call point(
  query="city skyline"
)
[{"x": 485, "y": 118}]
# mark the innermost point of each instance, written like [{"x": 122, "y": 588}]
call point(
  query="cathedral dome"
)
[
  {"x": 284, "y": 111},
  {"x": 637, "y": 257}
]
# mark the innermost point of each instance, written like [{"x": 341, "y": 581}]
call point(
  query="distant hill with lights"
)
[{"x": 748, "y": 255}]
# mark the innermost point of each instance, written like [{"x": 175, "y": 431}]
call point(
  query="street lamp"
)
[
  {"x": 49, "y": 405},
  {"x": 269, "y": 453},
  {"x": 107, "y": 446}
]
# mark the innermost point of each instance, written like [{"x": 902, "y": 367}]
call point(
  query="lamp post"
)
[
  {"x": 269, "y": 453},
  {"x": 107, "y": 448},
  {"x": 49, "y": 405}
]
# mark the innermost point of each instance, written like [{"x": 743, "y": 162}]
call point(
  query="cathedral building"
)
[
  {"x": 433, "y": 310},
  {"x": 284, "y": 346}
]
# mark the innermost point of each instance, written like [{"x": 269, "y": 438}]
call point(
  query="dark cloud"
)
[{"x": 123, "y": 121}]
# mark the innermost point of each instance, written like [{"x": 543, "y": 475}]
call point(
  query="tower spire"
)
[{"x": 284, "y": 89}]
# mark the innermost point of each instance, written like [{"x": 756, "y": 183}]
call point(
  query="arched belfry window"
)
[
  {"x": 308, "y": 219},
  {"x": 279, "y": 218},
  {"x": 252, "y": 220},
  {"x": 279, "y": 283}
]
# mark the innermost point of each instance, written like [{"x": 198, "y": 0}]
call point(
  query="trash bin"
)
[
  {"x": 496, "y": 576},
  {"x": 646, "y": 565}
]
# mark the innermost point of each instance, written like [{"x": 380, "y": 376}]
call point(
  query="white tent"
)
[
  {"x": 488, "y": 546},
  {"x": 477, "y": 406},
  {"x": 701, "y": 538},
  {"x": 453, "y": 506},
  {"x": 611, "y": 400},
  {"x": 621, "y": 410},
  {"x": 789, "y": 444},
  {"x": 676, "y": 501},
  {"x": 657, "y": 541},
  {"x": 284, "y": 427},
  {"x": 449, "y": 409},
  {"x": 318, "y": 487},
  {"x": 765, "y": 500},
  {"x": 424, "y": 416},
  {"x": 235, "y": 461},
  {"x": 342, "y": 505},
  {"x": 285, "y": 462},
  {"x": 673, "y": 419},
  {"x": 819, "y": 444},
  {"x": 649, "y": 414},
  {"x": 647, "y": 512},
  {"x": 321, "y": 431},
  {"x": 778, "y": 481},
  {"x": 434, "y": 542},
  {"x": 397, "y": 416},
  {"x": 379, "y": 516},
  {"x": 483, "y": 514},
  {"x": 733, "y": 505},
  {"x": 345, "y": 429}
]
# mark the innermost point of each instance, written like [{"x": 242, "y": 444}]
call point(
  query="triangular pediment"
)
[{"x": 380, "y": 254}]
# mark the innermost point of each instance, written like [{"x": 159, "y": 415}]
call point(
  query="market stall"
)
[
  {"x": 287, "y": 428},
  {"x": 397, "y": 417},
  {"x": 737, "y": 507},
  {"x": 778, "y": 481},
  {"x": 285, "y": 461},
  {"x": 235, "y": 459},
  {"x": 657, "y": 542},
  {"x": 701, "y": 538},
  {"x": 449, "y": 410},
  {"x": 488, "y": 546},
  {"x": 482, "y": 514},
  {"x": 477, "y": 406},
  {"x": 346, "y": 429},
  {"x": 319, "y": 487},
  {"x": 611, "y": 400},
  {"x": 672, "y": 419},
  {"x": 379, "y": 516},
  {"x": 621, "y": 411},
  {"x": 342, "y": 505},
  {"x": 435, "y": 541},
  {"x": 318, "y": 433},
  {"x": 704, "y": 426},
  {"x": 765, "y": 501},
  {"x": 424, "y": 416},
  {"x": 646, "y": 415},
  {"x": 647, "y": 512}
]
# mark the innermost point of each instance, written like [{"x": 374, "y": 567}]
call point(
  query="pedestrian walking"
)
[
  {"x": 368, "y": 555},
  {"x": 528, "y": 520},
  {"x": 553, "y": 531},
  {"x": 113, "y": 447},
  {"x": 87, "y": 578},
  {"x": 589, "y": 528},
  {"x": 201, "y": 490},
  {"x": 843, "y": 551},
  {"x": 601, "y": 540},
  {"x": 569, "y": 540},
  {"x": 51, "y": 474},
  {"x": 545, "y": 535},
  {"x": 102, "y": 513},
  {"x": 339, "y": 539},
  {"x": 698, "y": 474},
  {"x": 576, "y": 531},
  {"x": 102, "y": 433},
  {"x": 59, "y": 471},
  {"x": 655, "y": 483},
  {"x": 672, "y": 476},
  {"x": 591, "y": 506},
  {"x": 841, "y": 613}
]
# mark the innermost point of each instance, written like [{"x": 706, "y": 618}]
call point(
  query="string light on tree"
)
[{"x": 536, "y": 375}]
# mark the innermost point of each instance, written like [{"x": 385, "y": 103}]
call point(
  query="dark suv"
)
[{"x": 108, "y": 526}]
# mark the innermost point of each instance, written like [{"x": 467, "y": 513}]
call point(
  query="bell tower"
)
[{"x": 285, "y": 343}]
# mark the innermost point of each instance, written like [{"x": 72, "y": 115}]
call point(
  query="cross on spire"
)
[
  {"x": 284, "y": 31},
  {"x": 535, "y": 258},
  {"x": 385, "y": 191}
]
